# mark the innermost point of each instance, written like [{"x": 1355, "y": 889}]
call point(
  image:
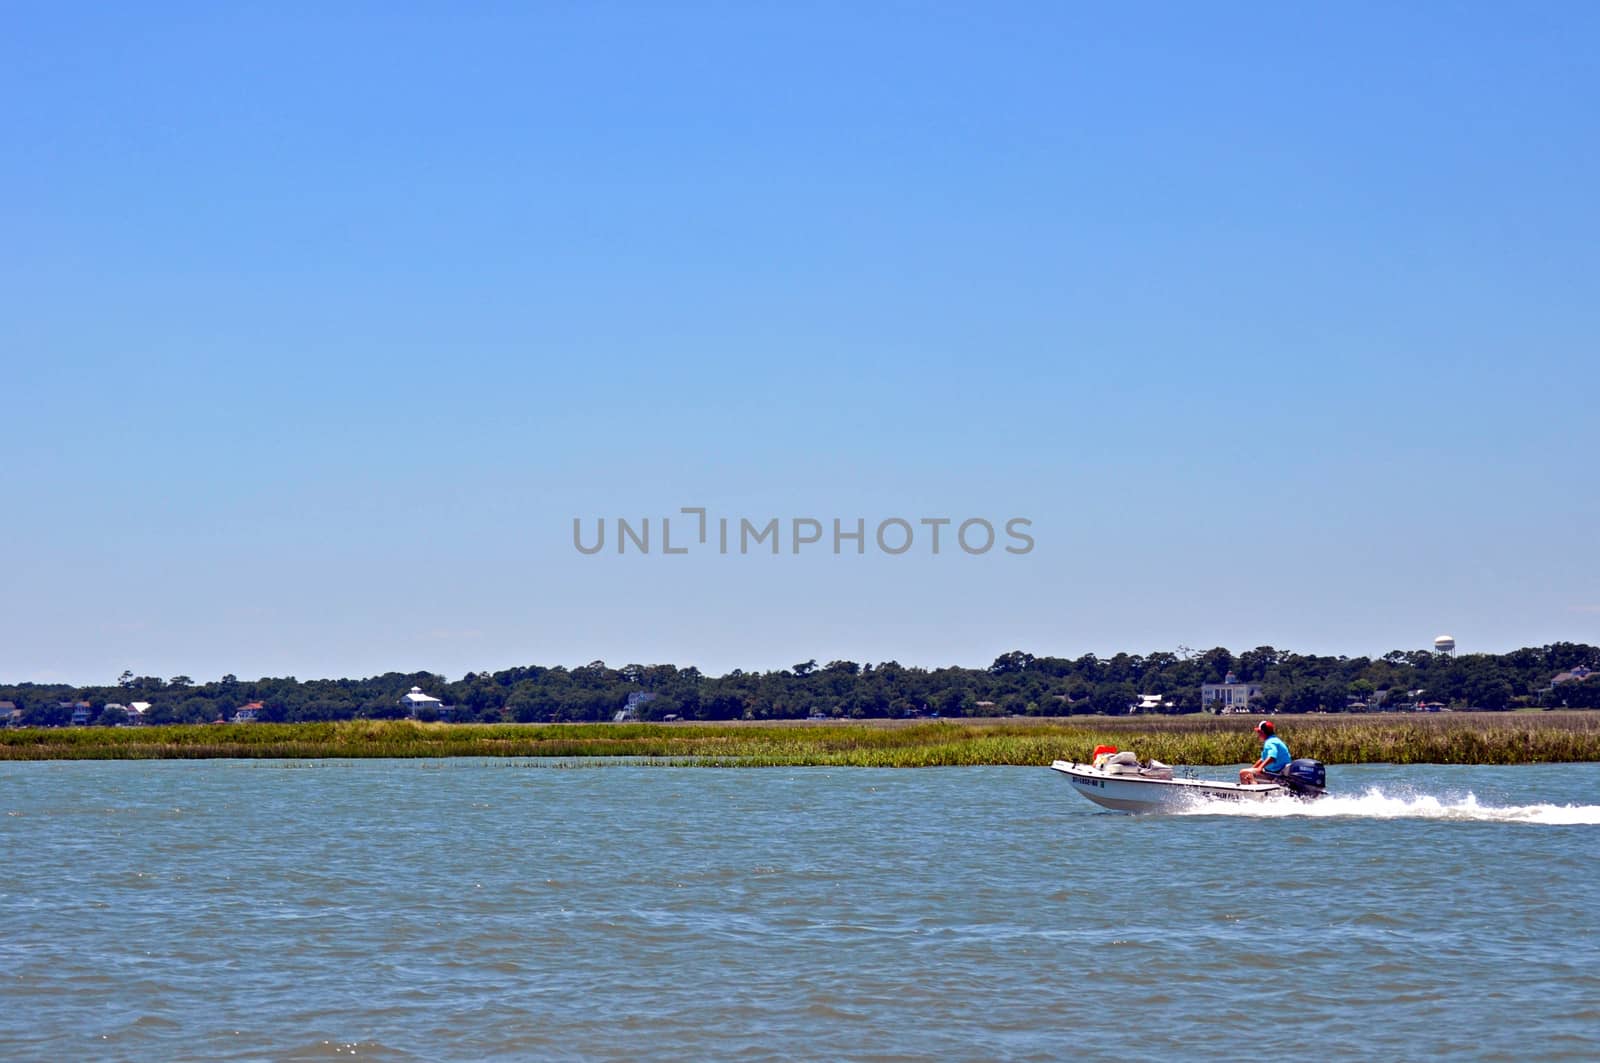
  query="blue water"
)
[{"x": 462, "y": 910}]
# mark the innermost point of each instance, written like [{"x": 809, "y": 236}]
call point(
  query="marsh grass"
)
[{"x": 1462, "y": 738}]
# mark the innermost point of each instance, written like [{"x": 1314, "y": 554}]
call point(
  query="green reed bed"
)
[{"x": 1476, "y": 738}]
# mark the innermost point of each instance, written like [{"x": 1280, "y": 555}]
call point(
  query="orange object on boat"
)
[{"x": 1104, "y": 749}]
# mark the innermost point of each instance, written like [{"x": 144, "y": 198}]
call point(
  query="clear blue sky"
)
[{"x": 318, "y": 325}]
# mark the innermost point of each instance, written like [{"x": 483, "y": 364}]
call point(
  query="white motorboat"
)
[{"x": 1121, "y": 783}]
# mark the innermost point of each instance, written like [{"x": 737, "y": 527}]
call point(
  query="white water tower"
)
[{"x": 1445, "y": 644}]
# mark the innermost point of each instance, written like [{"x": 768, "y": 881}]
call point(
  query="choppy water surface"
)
[{"x": 476, "y": 909}]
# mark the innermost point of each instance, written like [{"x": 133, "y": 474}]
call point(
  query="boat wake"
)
[{"x": 1375, "y": 804}]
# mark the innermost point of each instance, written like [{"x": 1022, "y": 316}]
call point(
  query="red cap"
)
[{"x": 1265, "y": 727}]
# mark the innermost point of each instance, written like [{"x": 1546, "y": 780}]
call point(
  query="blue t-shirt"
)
[{"x": 1275, "y": 753}]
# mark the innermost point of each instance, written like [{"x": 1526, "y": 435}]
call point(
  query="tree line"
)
[{"x": 1016, "y": 683}]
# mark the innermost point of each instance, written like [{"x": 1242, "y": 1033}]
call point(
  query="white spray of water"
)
[{"x": 1375, "y": 804}]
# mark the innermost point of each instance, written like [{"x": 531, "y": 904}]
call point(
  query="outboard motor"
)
[{"x": 1306, "y": 777}]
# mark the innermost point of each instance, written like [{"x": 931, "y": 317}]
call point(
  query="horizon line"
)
[{"x": 1182, "y": 652}]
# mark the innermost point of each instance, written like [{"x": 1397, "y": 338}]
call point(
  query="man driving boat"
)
[{"x": 1274, "y": 756}]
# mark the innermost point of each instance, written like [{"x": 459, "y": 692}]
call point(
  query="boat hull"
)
[{"x": 1135, "y": 793}]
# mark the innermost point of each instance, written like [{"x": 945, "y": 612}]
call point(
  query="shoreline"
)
[{"x": 1456, "y": 738}]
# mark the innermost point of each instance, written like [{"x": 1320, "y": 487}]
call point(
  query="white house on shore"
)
[
  {"x": 1149, "y": 703},
  {"x": 1229, "y": 696},
  {"x": 635, "y": 700},
  {"x": 415, "y": 701}
]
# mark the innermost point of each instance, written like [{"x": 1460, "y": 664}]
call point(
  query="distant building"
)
[
  {"x": 250, "y": 713},
  {"x": 10, "y": 715},
  {"x": 1229, "y": 696},
  {"x": 1576, "y": 675},
  {"x": 636, "y": 700},
  {"x": 1149, "y": 703},
  {"x": 138, "y": 713},
  {"x": 415, "y": 701}
]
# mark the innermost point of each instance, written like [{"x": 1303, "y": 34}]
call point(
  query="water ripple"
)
[{"x": 486, "y": 910}]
